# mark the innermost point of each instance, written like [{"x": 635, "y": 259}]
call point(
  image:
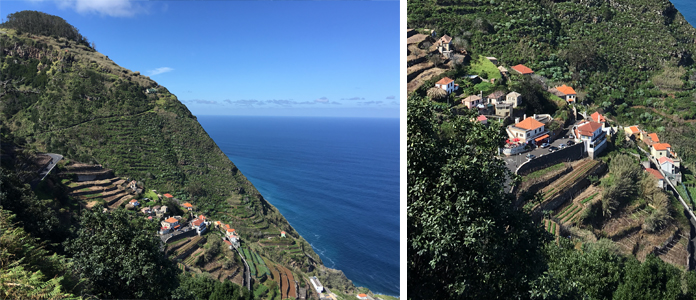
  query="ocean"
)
[
  {"x": 687, "y": 8},
  {"x": 336, "y": 180}
]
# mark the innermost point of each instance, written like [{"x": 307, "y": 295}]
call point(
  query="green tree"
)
[
  {"x": 120, "y": 256},
  {"x": 464, "y": 238},
  {"x": 652, "y": 279}
]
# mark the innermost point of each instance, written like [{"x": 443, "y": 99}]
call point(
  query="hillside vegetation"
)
[
  {"x": 58, "y": 95},
  {"x": 633, "y": 59}
]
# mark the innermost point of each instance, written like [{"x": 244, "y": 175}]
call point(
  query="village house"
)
[
  {"x": 669, "y": 166},
  {"x": 591, "y": 134},
  {"x": 169, "y": 224},
  {"x": 564, "y": 92},
  {"x": 527, "y": 131},
  {"x": 134, "y": 202},
  {"x": 482, "y": 119},
  {"x": 133, "y": 185},
  {"x": 472, "y": 101},
  {"x": 199, "y": 224},
  {"x": 503, "y": 110},
  {"x": 364, "y": 297},
  {"x": 447, "y": 84},
  {"x": 659, "y": 150},
  {"x": 632, "y": 132},
  {"x": 168, "y": 196},
  {"x": 649, "y": 138},
  {"x": 514, "y": 98},
  {"x": 522, "y": 69},
  {"x": 444, "y": 45},
  {"x": 658, "y": 176},
  {"x": 188, "y": 206},
  {"x": 597, "y": 117},
  {"x": 496, "y": 97},
  {"x": 317, "y": 285},
  {"x": 146, "y": 210}
]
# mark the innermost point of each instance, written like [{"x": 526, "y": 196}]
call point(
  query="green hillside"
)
[
  {"x": 633, "y": 59},
  {"x": 59, "y": 95}
]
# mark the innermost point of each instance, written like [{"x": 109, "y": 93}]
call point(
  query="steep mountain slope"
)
[{"x": 58, "y": 95}]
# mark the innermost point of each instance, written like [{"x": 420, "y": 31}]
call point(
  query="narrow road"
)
[{"x": 247, "y": 270}]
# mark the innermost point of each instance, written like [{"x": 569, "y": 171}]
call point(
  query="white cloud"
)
[
  {"x": 322, "y": 100},
  {"x": 160, "y": 71},
  {"x": 113, "y": 8}
]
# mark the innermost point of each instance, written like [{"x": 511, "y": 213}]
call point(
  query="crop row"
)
[
  {"x": 589, "y": 198},
  {"x": 571, "y": 178}
]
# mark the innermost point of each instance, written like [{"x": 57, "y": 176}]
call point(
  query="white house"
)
[
  {"x": 671, "y": 167},
  {"x": 592, "y": 135},
  {"x": 528, "y": 130},
  {"x": 317, "y": 285},
  {"x": 514, "y": 98},
  {"x": 565, "y": 92},
  {"x": 168, "y": 225},
  {"x": 200, "y": 224},
  {"x": 447, "y": 84}
]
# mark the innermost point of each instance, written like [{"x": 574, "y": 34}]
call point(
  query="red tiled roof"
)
[
  {"x": 171, "y": 220},
  {"x": 665, "y": 159},
  {"x": 444, "y": 81},
  {"x": 282, "y": 232},
  {"x": 597, "y": 117},
  {"x": 133, "y": 201},
  {"x": 566, "y": 90},
  {"x": 482, "y": 118},
  {"x": 654, "y": 138},
  {"x": 522, "y": 69},
  {"x": 589, "y": 128},
  {"x": 362, "y": 295},
  {"x": 197, "y": 222},
  {"x": 230, "y": 230},
  {"x": 228, "y": 242},
  {"x": 168, "y": 195},
  {"x": 655, "y": 173},
  {"x": 633, "y": 129},
  {"x": 529, "y": 124},
  {"x": 187, "y": 204},
  {"x": 661, "y": 146}
]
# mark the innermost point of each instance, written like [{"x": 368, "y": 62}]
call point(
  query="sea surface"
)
[
  {"x": 336, "y": 180},
  {"x": 687, "y": 8}
]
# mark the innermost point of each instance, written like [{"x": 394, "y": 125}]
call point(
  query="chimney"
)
[
  {"x": 517, "y": 120},
  {"x": 535, "y": 117},
  {"x": 525, "y": 117}
]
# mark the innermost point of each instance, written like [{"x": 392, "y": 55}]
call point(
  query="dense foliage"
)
[
  {"x": 201, "y": 287},
  {"x": 40, "y": 23},
  {"x": 465, "y": 240},
  {"x": 120, "y": 256}
]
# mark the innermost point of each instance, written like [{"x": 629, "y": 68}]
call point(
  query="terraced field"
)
[
  {"x": 109, "y": 190},
  {"x": 579, "y": 171}
]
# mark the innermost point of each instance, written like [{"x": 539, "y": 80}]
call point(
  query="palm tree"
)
[{"x": 436, "y": 93}]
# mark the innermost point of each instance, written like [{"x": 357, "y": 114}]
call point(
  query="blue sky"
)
[{"x": 287, "y": 58}]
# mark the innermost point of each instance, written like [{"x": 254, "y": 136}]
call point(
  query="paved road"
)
[
  {"x": 55, "y": 158},
  {"x": 247, "y": 270}
]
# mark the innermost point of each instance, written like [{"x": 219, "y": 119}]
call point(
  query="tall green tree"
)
[
  {"x": 120, "y": 256},
  {"x": 465, "y": 240}
]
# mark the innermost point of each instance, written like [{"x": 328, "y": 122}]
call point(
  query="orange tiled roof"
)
[
  {"x": 282, "y": 232},
  {"x": 230, "y": 230},
  {"x": 529, "y": 124},
  {"x": 168, "y": 195},
  {"x": 482, "y": 118},
  {"x": 654, "y": 138},
  {"x": 661, "y": 146},
  {"x": 655, "y": 173},
  {"x": 597, "y": 117},
  {"x": 171, "y": 220},
  {"x": 634, "y": 129},
  {"x": 522, "y": 69},
  {"x": 589, "y": 128},
  {"x": 187, "y": 204},
  {"x": 362, "y": 295},
  {"x": 444, "y": 81},
  {"x": 197, "y": 222},
  {"x": 566, "y": 90}
]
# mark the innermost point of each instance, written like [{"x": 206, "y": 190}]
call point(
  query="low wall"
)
[
  {"x": 574, "y": 152},
  {"x": 180, "y": 235}
]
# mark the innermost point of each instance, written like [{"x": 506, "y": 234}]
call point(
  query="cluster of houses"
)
[
  {"x": 667, "y": 160},
  {"x": 231, "y": 237},
  {"x": 532, "y": 131}
]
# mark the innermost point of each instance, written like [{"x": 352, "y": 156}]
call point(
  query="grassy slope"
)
[{"x": 89, "y": 109}]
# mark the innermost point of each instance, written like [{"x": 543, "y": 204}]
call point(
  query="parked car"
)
[
  {"x": 531, "y": 156},
  {"x": 545, "y": 145},
  {"x": 570, "y": 143},
  {"x": 553, "y": 148},
  {"x": 562, "y": 146}
]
